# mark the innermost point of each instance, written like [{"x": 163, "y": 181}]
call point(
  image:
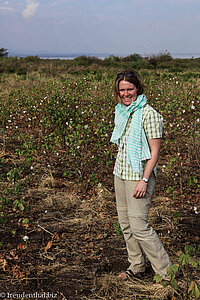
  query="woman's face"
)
[{"x": 127, "y": 92}]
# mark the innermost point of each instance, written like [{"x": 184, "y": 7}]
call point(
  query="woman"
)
[{"x": 138, "y": 133}]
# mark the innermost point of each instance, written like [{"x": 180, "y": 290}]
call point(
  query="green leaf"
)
[
  {"x": 191, "y": 287},
  {"x": 196, "y": 291},
  {"x": 184, "y": 259},
  {"x": 25, "y": 221},
  {"x": 21, "y": 206},
  {"x": 15, "y": 203},
  {"x": 172, "y": 270},
  {"x": 170, "y": 189},
  {"x": 174, "y": 283},
  {"x": 192, "y": 180},
  {"x": 157, "y": 278},
  {"x": 194, "y": 264}
]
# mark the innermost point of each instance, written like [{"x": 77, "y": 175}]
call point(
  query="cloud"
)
[
  {"x": 6, "y": 8},
  {"x": 30, "y": 9}
]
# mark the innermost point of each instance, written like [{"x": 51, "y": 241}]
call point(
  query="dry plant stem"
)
[
  {"x": 63, "y": 297},
  {"x": 3, "y": 151},
  {"x": 180, "y": 173},
  {"x": 50, "y": 258},
  {"x": 4, "y": 143},
  {"x": 44, "y": 229},
  {"x": 22, "y": 279},
  {"x": 187, "y": 279},
  {"x": 196, "y": 145}
]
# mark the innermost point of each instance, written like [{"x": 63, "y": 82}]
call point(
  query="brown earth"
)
[{"x": 74, "y": 251}]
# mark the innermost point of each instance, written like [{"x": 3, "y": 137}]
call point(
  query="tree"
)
[
  {"x": 3, "y": 52},
  {"x": 132, "y": 57},
  {"x": 155, "y": 60}
]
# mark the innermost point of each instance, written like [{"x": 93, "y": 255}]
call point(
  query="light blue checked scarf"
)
[{"x": 137, "y": 145}]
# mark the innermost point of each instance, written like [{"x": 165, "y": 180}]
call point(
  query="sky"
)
[{"x": 119, "y": 27}]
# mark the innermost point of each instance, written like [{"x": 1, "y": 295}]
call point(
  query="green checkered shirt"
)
[{"x": 152, "y": 123}]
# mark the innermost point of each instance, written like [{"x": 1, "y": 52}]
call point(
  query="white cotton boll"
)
[{"x": 25, "y": 238}]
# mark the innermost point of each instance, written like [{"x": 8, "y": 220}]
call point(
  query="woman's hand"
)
[{"x": 140, "y": 189}]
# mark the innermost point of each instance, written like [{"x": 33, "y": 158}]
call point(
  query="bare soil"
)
[
  {"x": 74, "y": 251},
  {"x": 59, "y": 237}
]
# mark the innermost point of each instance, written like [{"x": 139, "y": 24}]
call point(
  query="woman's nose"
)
[{"x": 126, "y": 92}]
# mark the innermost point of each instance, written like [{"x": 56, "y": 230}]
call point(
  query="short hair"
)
[{"x": 130, "y": 76}]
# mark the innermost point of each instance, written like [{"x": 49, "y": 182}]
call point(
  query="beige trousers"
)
[{"x": 141, "y": 239}]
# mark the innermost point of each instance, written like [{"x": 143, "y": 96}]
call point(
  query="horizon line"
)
[{"x": 77, "y": 54}]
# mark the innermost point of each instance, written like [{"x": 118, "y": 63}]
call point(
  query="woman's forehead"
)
[{"x": 123, "y": 84}]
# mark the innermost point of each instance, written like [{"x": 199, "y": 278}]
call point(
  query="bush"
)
[
  {"x": 31, "y": 58},
  {"x": 87, "y": 60},
  {"x": 133, "y": 57},
  {"x": 155, "y": 60}
]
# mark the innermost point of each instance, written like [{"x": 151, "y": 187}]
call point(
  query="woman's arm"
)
[{"x": 141, "y": 187}]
